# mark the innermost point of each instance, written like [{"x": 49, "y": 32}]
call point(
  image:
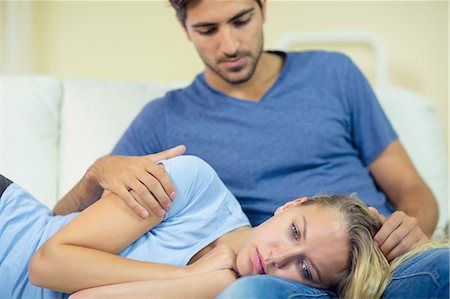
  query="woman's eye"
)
[
  {"x": 294, "y": 231},
  {"x": 305, "y": 271}
]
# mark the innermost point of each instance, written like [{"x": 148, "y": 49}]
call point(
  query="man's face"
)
[
  {"x": 228, "y": 37},
  {"x": 308, "y": 244}
]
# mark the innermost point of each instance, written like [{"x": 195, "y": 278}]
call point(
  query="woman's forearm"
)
[
  {"x": 69, "y": 268},
  {"x": 83, "y": 254},
  {"x": 205, "y": 285}
]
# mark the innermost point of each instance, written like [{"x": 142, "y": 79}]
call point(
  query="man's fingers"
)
[
  {"x": 132, "y": 203},
  {"x": 139, "y": 191},
  {"x": 413, "y": 240},
  {"x": 160, "y": 174},
  {"x": 151, "y": 205},
  {"x": 377, "y": 214},
  {"x": 152, "y": 190},
  {"x": 398, "y": 240},
  {"x": 390, "y": 224},
  {"x": 167, "y": 154}
]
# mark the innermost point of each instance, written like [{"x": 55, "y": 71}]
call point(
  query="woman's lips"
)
[{"x": 258, "y": 262}]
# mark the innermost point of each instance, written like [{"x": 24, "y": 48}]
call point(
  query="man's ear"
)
[
  {"x": 184, "y": 28},
  {"x": 290, "y": 204},
  {"x": 188, "y": 36},
  {"x": 263, "y": 9}
]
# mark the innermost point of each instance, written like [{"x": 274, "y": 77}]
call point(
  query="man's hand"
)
[
  {"x": 398, "y": 234},
  {"x": 144, "y": 185}
]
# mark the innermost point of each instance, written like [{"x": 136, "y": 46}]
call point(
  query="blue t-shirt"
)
[
  {"x": 315, "y": 131},
  {"x": 203, "y": 211}
]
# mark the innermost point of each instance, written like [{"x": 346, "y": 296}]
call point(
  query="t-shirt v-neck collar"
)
[{"x": 265, "y": 97}]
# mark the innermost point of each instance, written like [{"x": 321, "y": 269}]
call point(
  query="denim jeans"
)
[{"x": 426, "y": 275}]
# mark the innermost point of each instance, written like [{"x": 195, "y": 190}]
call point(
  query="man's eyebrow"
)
[
  {"x": 235, "y": 17},
  {"x": 305, "y": 224},
  {"x": 240, "y": 14},
  {"x": 203, "y": 24}
]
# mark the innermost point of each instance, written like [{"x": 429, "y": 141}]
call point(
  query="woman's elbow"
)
[
  {"x": 36, "y": 271},
  {"x": 41, "y": 266}
]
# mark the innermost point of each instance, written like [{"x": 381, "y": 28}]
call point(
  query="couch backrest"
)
[
  {"x": 94, "y": 114},
  {"x": 29, "y": 113}
]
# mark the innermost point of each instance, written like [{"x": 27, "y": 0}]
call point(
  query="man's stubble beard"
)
[{"x": 246, "y": 77}]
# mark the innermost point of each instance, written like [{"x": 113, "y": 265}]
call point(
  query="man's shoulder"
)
[
  {"x": 322, "y": 56},
  {"x": 170, "y": 98},
  {"x": 176, "y": 95}
]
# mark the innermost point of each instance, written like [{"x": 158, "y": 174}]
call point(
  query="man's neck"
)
[{"x": 267, "y": 71}]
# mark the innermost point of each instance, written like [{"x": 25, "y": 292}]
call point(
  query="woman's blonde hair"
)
[{"x": 369, "y": 273}]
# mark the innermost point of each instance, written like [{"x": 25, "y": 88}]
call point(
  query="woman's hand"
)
[{"x": 220, "y": 257}]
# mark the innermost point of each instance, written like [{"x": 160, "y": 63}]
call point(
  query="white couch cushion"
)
[
  {"x": 95, "y": 114},
  {"x": 29, "y": 133}
]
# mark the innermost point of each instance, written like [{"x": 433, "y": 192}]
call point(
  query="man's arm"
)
[
  {"x": 120, "y": 175},
  {"x": 416, "y": 208},
  {"x": 82, "y": 195}
]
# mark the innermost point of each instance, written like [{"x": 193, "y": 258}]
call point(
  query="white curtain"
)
[{"x": 16, "y": 37}]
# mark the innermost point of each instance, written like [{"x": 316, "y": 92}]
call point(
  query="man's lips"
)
[
  {"x": 234, "y": 63},
  {"x": 258, "y": 262}
]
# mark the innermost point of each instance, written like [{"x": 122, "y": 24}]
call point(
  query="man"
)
[{"x": 275, "y": 126}]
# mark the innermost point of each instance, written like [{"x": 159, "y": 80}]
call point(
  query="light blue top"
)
[
  {"x": 314, "y": 131},
  {"x": 203, "y": 211}
]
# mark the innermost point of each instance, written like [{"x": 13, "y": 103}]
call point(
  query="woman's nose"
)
[{"x": 282, "y": 256}]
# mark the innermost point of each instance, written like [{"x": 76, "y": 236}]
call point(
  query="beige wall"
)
[{"x": 142, "y": 41}]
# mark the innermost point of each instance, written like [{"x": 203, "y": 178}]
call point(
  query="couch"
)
[{"x": 52, "y": 130}]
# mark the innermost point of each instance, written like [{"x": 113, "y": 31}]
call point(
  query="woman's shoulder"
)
[
  {"x": 199, "y": 189},
  {"x": 196, "y": 183}
]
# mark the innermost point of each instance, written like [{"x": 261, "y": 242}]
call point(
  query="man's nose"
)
[
  {"x": 229, "y": 43},
  {"x": 281, "y": 256}
]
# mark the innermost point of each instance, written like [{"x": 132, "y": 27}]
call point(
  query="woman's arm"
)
[
  {"x": 83, "y": 253},
  {"x": 206, "y": 285}
]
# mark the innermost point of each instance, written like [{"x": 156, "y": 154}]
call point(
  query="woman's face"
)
[{"x": 308, "y": 244}]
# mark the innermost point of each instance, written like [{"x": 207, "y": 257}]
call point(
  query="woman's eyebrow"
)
[{"x": 304, "y": 227}]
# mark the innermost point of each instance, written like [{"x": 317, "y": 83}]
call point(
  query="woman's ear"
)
[{"x": 290, "y": 204}]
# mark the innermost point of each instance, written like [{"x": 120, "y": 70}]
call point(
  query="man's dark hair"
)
[{"x": 180, "y": 7}]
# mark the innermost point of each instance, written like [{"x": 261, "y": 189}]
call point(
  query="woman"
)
[{"x": 199, "y": 247}]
